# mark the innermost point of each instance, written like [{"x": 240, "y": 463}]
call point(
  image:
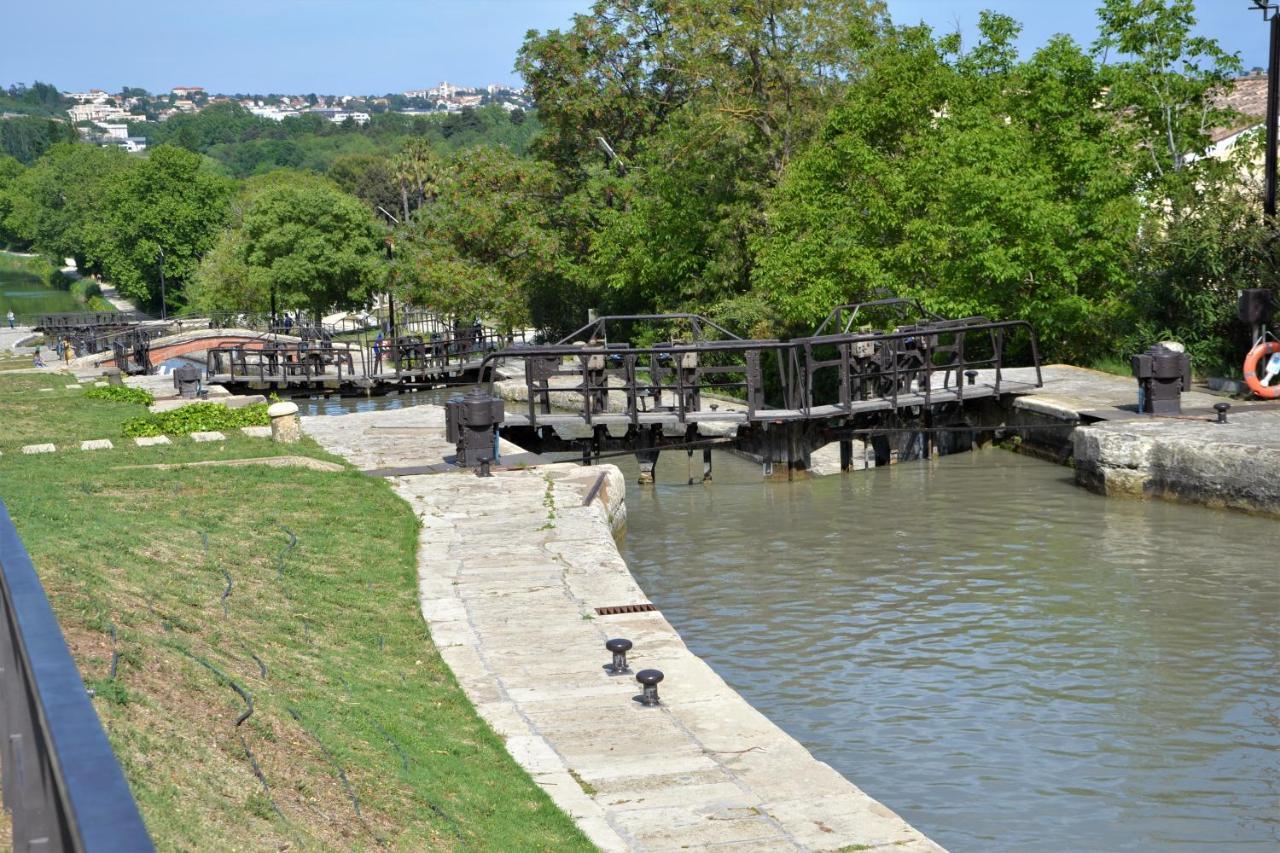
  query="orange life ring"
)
[{"x": 1256, "y": 355}]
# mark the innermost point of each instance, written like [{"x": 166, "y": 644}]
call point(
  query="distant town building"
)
[
  {"x": 93, "y": 96},
  {"x": 187, "y": 91},
  {"x": 339, "y": 116},
  {"x": 93, "y": 112}
]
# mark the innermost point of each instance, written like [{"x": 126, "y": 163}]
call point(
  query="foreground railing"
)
[{"x": 62, "y": 785}]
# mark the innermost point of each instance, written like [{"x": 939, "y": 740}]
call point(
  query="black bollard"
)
[
  {"x": 1221, "y": 409},
  {"x": 619, "y": 648},
  {"x": 972, "y": 376},
  {"x": 649, "y": 678}
]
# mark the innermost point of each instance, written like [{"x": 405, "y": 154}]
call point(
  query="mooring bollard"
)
[
  {"x": 285, "y": 427},
  {"x": 619, "y": 647},
  {"x": 1221, "y": 409},
  {"x": 972, "y": 376},
  {"x": 649, "y": 678},
  {"x": 113, "y": 376},
  {"x": 187, "y": 381},
  {"x": 471, "y": 423}
]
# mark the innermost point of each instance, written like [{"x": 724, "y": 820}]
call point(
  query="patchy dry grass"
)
[{"x": 359, "y": 737}]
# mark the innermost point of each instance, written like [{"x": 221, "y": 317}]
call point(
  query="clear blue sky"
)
[{"x": 377, "y": 46}]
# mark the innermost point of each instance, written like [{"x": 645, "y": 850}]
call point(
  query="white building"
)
[
  {"x": 273, "y": 113},
  {"x": 187, "y": 91},
  {"x": 94, "y": 112},
  {"x": 93, "y": 96}
]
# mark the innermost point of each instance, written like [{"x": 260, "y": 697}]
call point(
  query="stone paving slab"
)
[
  {"x": 38, "y": 448},
  {"x": 151, "y": 440},
  {"x": 97, "y": 444},
  {"x": 211, "y": 435},
  {"x": 509, "y": 594},
  {"x": 257, "y": 431}
]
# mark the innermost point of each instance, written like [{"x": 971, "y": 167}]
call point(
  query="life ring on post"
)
[{"x": 1252, "y": 361}]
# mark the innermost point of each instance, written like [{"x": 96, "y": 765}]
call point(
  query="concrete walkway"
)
[{"x": 511, "y": 571}]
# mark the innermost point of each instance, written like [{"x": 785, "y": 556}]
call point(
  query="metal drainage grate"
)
[{"x": 625, "y": 608}]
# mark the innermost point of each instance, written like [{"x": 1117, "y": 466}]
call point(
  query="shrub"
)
[
  {"x": 121, "y": 394},
  {"x": 197, "y": 417}
]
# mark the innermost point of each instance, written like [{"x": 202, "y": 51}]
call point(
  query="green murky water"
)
[
  {"x": 1008, "y": 661},
  {"x": 25, "y": 293}
]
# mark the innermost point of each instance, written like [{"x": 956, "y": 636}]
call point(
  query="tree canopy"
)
[{"x": 301, "y": 237}]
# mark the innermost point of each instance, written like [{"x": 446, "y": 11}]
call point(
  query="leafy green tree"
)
[
  {"x": 57, "y": 201},
  {"x": 26, "y": 138},
  {"x": 10, "y": 169},
  {"x": 1164, "y": 79},
  {"x": 668, "y": 122},
  {"x": 299, "y": 236},
  {"x": 481, "y": 244},
  {"x": 1203, "y": 234},
  {"x": 981, "y": 184},
  {"x": 168, "y": 203},
  {"x": 368, "y": 177}
]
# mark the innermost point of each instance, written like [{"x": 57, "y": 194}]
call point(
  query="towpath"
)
[{"x": 512, "y": 569}]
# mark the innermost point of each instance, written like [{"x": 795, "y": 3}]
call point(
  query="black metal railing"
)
[
  {"x": 823, "y": 376},
  {"x": 63, "y": 787}
]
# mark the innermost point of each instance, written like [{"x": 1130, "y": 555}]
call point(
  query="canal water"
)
[
  {"x": 1006, "y": 660},
  {"x": 26, "y": 295}
]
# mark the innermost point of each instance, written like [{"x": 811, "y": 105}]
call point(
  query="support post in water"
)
[{"x": 647, "y": 456}]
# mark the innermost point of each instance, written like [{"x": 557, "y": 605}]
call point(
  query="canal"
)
[
  {"x": 1006, "y": 660},
  {"x": 25, "y": 293}
]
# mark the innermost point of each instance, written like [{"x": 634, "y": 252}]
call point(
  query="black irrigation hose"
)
[
  {"x": 262, "y": 667},
  {"x": 381, "y": 642},
  {"x": 333, "y": 759},
  {"x": 226, "y": 592},
  {"x": 244, "y": 694},
  {"x": 257, "y": 771},
  {"x": 293, "y": 540},
  {"x": 404, "y": 759},
  {"x": 115, "y": 656}
]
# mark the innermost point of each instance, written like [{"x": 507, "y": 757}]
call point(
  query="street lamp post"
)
[{"x": 1269, "y": 13}]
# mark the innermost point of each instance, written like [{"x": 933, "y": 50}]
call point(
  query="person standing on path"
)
[
  {"x": 11, "y": 318},
  {"x": 37, "y": 361},
  {"x": 68, "y": 351}
]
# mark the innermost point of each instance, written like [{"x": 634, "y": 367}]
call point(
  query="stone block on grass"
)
[
  {"x": 208, "y": 436},
  {"x": 74, "y": 387},
  {"x": 97, "y": 444},
  {"x": 102, "y": 385},
  {"x": 257, "y": 431},
  {"x": 38, "y": 448},
  {"x": 151, "y": 440}
]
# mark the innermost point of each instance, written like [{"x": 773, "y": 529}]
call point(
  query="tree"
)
[
  {"x": 167, "y": 203},
  {"x": 1162, "y": 89},
  {"x": 978, "y": 183},
  {"x": 10, "y": 169},
  {"x": 55, "y": 202},
  {"x": 301, "y": 237},
  {"x": 668, "y": 122},
  {"x": 28, "y": 137},
  {"x": 368, "y": 177},
  {"x": 481, "y": 244}
]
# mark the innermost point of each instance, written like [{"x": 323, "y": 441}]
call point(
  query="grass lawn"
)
[{"x": 298, "y": 586}]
